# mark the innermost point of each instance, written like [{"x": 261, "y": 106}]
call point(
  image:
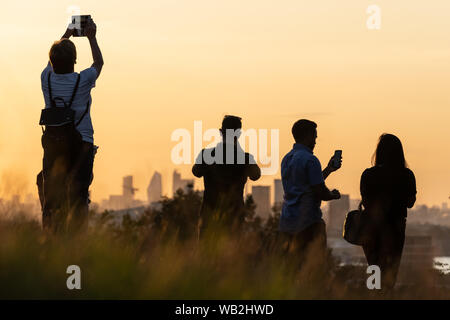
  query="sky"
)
[{"x": 169, "y": 63}]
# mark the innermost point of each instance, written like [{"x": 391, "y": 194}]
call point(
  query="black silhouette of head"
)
[
  {"x": 63, "y": 56},
  {"x": 389, "y": 152},
  {"x": 231, "y": 127},
  {"x": 305, "y": 132}
]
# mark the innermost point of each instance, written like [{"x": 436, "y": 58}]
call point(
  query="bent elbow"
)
[
  {"x": 255, "y": 176},
  {"x": 196, "y": 171},
  {"x": 411, "y": 201}
]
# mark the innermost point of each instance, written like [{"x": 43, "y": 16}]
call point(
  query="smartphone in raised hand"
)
[
  {"x": 79, "y": 22},
  {"x": 337, "y": 157}
]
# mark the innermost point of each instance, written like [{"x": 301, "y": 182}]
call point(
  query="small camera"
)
[{"x": 80, "y": 23}]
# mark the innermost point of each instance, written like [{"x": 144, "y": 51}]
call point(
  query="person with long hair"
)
[{"x": 387, "y": 190}]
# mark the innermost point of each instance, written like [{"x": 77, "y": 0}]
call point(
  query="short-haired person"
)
[
  {"x": 225, "y": 170},
  {"x": 68, "y": 154},
  {"x": 304, "y": 189}
]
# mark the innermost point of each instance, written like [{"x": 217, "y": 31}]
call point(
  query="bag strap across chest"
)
[{"x": 53, "y": 103}]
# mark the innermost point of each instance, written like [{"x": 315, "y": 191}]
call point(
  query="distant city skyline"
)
[
  {"x": 276, "y": 192},
  {"x": 154, "y": 189}
]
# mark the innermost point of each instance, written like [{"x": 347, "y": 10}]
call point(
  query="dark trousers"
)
[
  {"x": 64, "y": 181},
  {"x": 308, "y": 246},
  {"x": 385, "y": 248}
]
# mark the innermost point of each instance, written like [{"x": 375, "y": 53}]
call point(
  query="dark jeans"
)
[
  {"x": 64, "y": 181},
  {"x": 384, "y": 249},
  {"x": 309, "y": 246}
]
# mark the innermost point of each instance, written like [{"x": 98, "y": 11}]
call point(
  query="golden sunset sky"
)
[{"x": 169, "y": 63}]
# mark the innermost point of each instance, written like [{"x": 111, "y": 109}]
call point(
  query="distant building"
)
[
  {"x": 261, "y": 196},
  {"x": 278, "y": 192},
  {"x": 179, "y": 183},
  {"x": 417, "y": 257},
  {"x": 154, "y": 190},
  {"x": 337, "y": 211},
  {"x": 127, "y": 188},
  {"x": 125, "y": 200}
]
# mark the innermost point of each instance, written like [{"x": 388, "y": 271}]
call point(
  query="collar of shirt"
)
[{"x": 299, "y": 146}]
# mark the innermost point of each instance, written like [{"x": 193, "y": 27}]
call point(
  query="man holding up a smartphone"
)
[
  {"x": 304, "y": 189},
  {"x": 68, "y": 147}
]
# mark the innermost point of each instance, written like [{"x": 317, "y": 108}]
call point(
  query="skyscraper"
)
[
  {"x": 127, "y": 188},
  {"x": 337, "y": 211},
  {"x": 261, "y": 196},
  {"x": 278, "y": 192},
  {"x": 179, "y": 183},
  {"x": 154, "y": 190},
  {"x": 126, "y": 199}
]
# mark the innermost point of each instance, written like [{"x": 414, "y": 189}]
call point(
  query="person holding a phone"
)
[
  {"x": 304, "y": 189},
  {"x": 68, "y": 145}
]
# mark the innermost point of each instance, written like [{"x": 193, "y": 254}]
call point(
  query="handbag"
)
[{"x": 355, "y": 226}]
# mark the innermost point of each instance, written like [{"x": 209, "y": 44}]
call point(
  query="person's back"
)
[
  {"x": 62, "y": 86},
  {"x": 387, "y": 190},
  {"x": 225, "y": 177},
  {"x": 67, "y": 141},
  {"x": 301, "y": 207},
  {"x": 301, "y": 222},
  {"x": 224, "y": 183}
]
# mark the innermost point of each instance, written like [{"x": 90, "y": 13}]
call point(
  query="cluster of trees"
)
[{"x": 178, "y": 218}]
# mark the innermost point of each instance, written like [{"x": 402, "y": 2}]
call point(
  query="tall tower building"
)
[
  {"x": 178, "y": 183},
  {"x": 261, "y": 196},
  {"x": 337, "y": 211},
  {"x": 278, "y": 192},
  {"x": 154, "y": 190},
  {"x": 127, "y": 188}
]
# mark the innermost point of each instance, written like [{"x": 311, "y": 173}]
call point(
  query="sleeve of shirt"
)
[
  {"x": 46, "y": 70},
  {"x": 90, "y": 76},
  {"x": 314, "y": 171}
]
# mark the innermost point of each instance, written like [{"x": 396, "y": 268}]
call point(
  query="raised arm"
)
[
  {"x": 91, "y": 31},
  {"x": 330, "y": 168},
  {"x": 69, "y": 32}
]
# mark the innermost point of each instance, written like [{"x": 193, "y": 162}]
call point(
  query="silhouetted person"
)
[
  {"x": 387, "y": 190},
  {"x": 304, "y": 189},
  {"x": 225, "y": 169},
  {"x": 68, "y": 147}
]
